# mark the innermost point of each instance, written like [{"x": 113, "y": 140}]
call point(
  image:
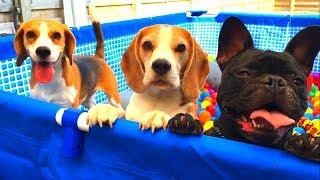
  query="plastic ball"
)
[
  {"x": 207, "y": 85},
  {"x": 204, "y": 94},
  {"x": 207, "y": 99},
  {"x": 218, "y": 113},
  {"x": 214, "y": 96},
  {"x": 309, "y": 111},
  {"x": 316, "y": 105},
  {"x": 205, "y": 104},
  {"x": 208, "y": 125},
  {"x": 298, "y": 131},
  {"x": 204, "y": 117},
  {"x": 212, "y": 91},
  {"x": 211, "y": 109}
]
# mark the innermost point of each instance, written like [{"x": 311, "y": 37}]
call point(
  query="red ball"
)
[
  {"x": 214, "y": 96},
  {"x": 211, "y": 109},
  {"x": 207, "y": 85}
]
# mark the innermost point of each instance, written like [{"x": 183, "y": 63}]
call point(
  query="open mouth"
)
[
  {"x": 267, "y": 120},
  {"x": 44, "y": 71}
]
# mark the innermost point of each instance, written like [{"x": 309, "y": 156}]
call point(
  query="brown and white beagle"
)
[
  {"x": 58, "y": 76},
  {"x": 165, "y": 67}
]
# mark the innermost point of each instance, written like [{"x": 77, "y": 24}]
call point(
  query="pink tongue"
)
[
  {"x": 43, "y": 73},
  {"x": 275, "y": 118}
]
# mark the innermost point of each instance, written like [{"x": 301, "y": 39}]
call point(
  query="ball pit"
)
[{"x": 208, "y": 110}]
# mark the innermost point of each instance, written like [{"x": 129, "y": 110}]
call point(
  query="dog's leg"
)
[
  {"x": 89, "y": 101},
  {"x": 108, "y": 84},
  {"x": 303, "y": 146}
]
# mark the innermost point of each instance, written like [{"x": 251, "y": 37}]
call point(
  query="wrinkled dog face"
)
[
  {"x": 263, "y": 93},
  {"x": 164, "y": 51}
]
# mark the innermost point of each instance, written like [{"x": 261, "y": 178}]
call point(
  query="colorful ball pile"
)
[
  {"x": 208, "y": 109},
  {"x": 310, "y": 123}
]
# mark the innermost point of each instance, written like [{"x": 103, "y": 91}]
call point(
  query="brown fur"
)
[{"x": 71, "y": 73}]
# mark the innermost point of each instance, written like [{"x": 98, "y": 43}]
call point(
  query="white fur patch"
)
[{"x": 56, "y": 91}]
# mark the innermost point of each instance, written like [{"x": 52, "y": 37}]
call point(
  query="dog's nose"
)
[
  {"x": 43, "y": 52},
  {"x": 161, "y": 66},
  {"x": 272, "y": 81}
]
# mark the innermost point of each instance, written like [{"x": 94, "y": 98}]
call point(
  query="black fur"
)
[{"x": 254, "y": 79}]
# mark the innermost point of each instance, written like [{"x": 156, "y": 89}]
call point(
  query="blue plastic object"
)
[{"x": 73, "y": 139}]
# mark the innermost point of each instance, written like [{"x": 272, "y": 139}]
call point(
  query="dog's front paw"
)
[
  {"x": 154, "y": 120},
  {"x": 304, "y": 146},
  {"x": 185, "y": 124},
  {"x": 104, "y": 113}
]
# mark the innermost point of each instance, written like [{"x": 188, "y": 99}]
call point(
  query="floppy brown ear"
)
[
  {"x": 19, "y": 47},
  {"x": 70, "y": 44},
  {"x": 234, "y": 38},
  {"x": 195, "y": 73},
  {"x": 305, "y": 46},
  {"x": 132, "y": 67}
]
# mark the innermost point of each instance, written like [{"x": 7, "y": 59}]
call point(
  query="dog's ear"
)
[
  {"x": 195, "y": 72},
  {"x": 132, "y": 66},
  {"x": 305, "y": 46},
  {"x": 19, "y": 46},
  {"x": 234, "y": 38},
  {"x": 70, "y": 44}
]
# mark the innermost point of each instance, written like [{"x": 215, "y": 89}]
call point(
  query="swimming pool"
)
[{"x": 36, "y": 146}]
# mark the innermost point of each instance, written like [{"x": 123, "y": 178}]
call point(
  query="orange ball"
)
[{"x": 204, "y": 116}]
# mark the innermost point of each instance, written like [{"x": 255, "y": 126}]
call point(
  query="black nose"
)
[
  {"x": 161, "y": 66},
  {"x": 272, "y": 81},
  {"x": 43, "y": 52}
]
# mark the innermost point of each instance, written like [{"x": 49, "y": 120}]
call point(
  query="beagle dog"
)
[
  {"x": 58, "y": 76},
  {"x": 165, "y": 67}
]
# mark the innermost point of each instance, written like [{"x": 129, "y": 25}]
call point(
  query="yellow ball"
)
[
  {"x": 316, "y": 104},
  {"x": 205, "y": 104},
  {"x": 316, "y": 123},
  {"x": 317, "y": 95},
  {"x": 208, "y": 125},
  {"x": 309, "y": 111}
]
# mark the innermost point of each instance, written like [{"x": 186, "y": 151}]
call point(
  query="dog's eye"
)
[
  {"x": 298, "y": 81},
  {"x": 181, "y": 48},
  {"x": 243, "y": 73},
  {"x": 147, "y": 45},
  {"x": 30, "y": 35},
  {"x": 56, "y": 36}
]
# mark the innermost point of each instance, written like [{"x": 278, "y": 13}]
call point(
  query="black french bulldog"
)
[{"x": 262, "y": 93}]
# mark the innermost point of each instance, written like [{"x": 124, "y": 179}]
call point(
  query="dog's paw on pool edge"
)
[
  {"x": 185, "y": 124},
  {"x": 304, "y": 146}
]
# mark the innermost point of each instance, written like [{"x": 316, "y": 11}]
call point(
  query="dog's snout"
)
[
  {"x": 161, "y": 66},
  {"x": 43, "y": 52},
  {"x": 272, "y": 81}
]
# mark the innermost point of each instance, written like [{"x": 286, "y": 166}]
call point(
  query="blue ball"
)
[
  {"x": 309, "y": 116},
  {"x": 205, "y": 94},
  {"x": 218, "y": 113},
  {"x": 299, "y": 130}
]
